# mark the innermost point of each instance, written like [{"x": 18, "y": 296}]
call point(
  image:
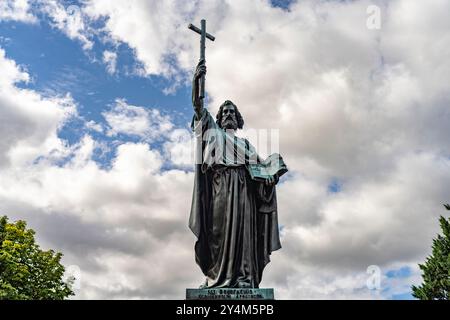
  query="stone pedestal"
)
[{"x": 230, "y": 294}]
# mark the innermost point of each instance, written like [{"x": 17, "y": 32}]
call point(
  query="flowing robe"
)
[{"x": 233, "y": 217}]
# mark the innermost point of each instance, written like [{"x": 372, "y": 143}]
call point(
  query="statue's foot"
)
[
  {"x": 244, "y": 285},
  {"x": 204, "y": 284}
]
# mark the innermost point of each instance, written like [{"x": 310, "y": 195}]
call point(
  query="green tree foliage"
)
[
  {"x": 26, "y": 271},
  {"x": 436, "y": 269}
]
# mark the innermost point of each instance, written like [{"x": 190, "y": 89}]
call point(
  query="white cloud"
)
[
  {"x": 154, "y": 29},
  {"x": 11, "y": 72},
  {"x": 92, "y": 125},
  {"x": 137, "y": 121},
  {"x": 70, "y": 20},
  {"x": 16, "y": 10},
  {"x": 104, "y": 219},
  {"x": 110, "y": 59},
  {"x": 179, "y": 148},
  {"x": 30, "y": 122}
]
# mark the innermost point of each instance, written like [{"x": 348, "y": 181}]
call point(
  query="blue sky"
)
[{"x": 349, "y": 131}]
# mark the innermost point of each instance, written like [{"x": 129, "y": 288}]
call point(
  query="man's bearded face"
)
[{"x": 229, "y": 120}]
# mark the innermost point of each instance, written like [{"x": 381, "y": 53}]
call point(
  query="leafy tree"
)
[
  {"x": 436, "y": 269},
  {"x": 26, "y": 271}
]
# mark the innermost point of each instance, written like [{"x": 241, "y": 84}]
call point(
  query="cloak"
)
[{"x": 234, "y": 218}]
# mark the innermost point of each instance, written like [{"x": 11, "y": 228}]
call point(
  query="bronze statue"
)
[{"x": 234, "y": 204}]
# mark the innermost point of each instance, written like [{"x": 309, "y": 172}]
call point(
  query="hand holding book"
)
[{"x": 268, "y": 171}]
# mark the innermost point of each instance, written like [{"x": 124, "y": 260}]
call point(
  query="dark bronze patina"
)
[{"x": 233, "y": 216}]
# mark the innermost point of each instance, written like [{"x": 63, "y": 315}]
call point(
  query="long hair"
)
[{"x": 240, "y": 120}]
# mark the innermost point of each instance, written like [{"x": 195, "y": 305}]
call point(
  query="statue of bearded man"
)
[{"x": 233, "y": 216}]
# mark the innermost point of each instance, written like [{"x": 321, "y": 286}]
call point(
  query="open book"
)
[{"x": 273, "y": 165}]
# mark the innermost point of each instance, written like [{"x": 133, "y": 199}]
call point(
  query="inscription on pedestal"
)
[{"x": 230, "y": 294}]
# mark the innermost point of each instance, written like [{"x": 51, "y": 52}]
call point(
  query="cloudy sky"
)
[{"x": 95, "y": 140}]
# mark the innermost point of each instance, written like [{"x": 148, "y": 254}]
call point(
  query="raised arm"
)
[{"x": 197, "y": 101}]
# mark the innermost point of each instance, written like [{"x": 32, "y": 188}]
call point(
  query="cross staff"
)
[{"x": 203, "y": 35}]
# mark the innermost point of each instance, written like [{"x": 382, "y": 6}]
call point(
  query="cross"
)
[{"x": 203, "y": 35}]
